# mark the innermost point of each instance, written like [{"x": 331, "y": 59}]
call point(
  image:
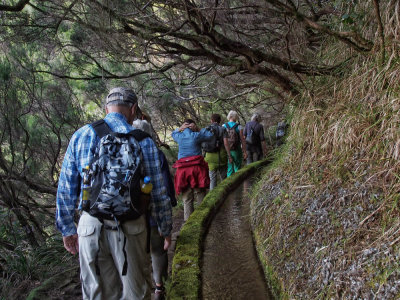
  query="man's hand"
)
[
  {"x": 230, "y": 159},
  {"x": 184, "y": 126},
  {"x": 193, "y": 127},
  {"x": 71, "y": 243},
  {"x": 167, "y": 242}
]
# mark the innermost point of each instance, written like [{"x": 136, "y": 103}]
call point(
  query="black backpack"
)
[
  {"x": 115, "y": 175},
  {"x": 251, "y": 137},
  {"x": 216, "y": 141}
]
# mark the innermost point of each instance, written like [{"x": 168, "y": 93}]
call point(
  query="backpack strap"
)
[
  {"x": 219, "y": 131},
  {"x": 101, "y": 128},
  {"x": 139, "y": 134},
  {"x": 234, "y": 127},
  {"x": 252, "y": 128}
]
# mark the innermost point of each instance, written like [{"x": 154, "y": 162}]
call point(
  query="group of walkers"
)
[
  {"x": 120, "y": 182},
  {"x": 213, "y": 153}
]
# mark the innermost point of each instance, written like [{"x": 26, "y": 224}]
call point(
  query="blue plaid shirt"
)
[{"x": 80, "y": 153}]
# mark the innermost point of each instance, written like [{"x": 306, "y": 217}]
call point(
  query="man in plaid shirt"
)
[{"x": 101, "y": 250}]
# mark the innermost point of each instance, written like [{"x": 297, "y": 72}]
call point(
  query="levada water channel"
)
[{"x": 230, "y": 268}]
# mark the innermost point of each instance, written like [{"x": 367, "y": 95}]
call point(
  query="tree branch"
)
[
  {"x": 358, "y": 42},
  {"x": 112, "y": 76},
  {"x": 381, "y": 31},
  {"x": 17, "y": 7},
  {"x": 34, "y": 186}
]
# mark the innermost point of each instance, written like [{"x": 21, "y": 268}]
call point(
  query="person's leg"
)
[
  {"x": 110, "y": 277},
  {"x": 249, "y": 157},
  {"x": 107, "y": 284},
  {"x": 237, "y": 160},
  {"x": 159, "y": 257},
  {"x": 222, "y": 173},
  {"x": 231, "y": 169},
  {"x": 256, "y": 156},
  {"x": 187, "y": 198},
  {"x": 136, "y": 283},
  {"x": 213, "y": 178},
  {"x": 199, "y": 195}
]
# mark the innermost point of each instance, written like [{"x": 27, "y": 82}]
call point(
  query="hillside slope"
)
[{"x": 327, "y": 214}]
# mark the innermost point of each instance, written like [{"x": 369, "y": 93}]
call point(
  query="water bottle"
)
[
  {"x": 147, "y": 186},
  {"x": 86, "y": 189}
]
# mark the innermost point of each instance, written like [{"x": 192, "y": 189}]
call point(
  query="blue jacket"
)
[{"x": 189, "y": 141}]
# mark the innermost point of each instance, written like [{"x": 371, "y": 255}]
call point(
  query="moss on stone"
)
[
  {"x": 186, "y": 272},
  {"x": 274, "y": 283}
]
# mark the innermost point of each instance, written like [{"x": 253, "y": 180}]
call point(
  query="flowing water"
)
[{"x": 231, "y": 268}]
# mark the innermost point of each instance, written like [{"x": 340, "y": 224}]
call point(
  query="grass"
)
[
  {"x": 55, "y": 282},
  {"x": 274, "y": 283},
  {"x": 338, "y": 179},
  {"x": 25, "y": 266}
]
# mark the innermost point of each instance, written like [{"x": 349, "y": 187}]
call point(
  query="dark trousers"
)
[{"x": 253, "y": 156}]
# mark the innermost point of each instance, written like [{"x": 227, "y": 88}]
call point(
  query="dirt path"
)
[{"x": 176, "y": 227}]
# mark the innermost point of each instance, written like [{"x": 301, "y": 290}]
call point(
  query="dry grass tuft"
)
[{"x": 329, "y": 213}]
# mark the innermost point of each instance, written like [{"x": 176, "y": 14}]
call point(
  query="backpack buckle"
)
[{"x": 111, "y": 224}]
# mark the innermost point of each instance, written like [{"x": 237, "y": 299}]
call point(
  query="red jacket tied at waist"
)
[{"x": 191, "y": 171}]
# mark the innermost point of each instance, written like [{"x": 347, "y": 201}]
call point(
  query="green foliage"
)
[
  {"x": 24, "y": 263},
  {"x": 5, "y": 70},
  {"x": 77, "y": 35},
  {"x": 60, "y": 279}
]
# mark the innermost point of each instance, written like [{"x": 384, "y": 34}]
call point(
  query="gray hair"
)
[
  {"x": 232, "y": 115},
  {"x": 142, "y": 125},
  {"x": 146, "y": 127},
  {"x": 256, "y": 117}
]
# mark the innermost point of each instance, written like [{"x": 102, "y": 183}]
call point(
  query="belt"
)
[{"x": 107, "y": 224}]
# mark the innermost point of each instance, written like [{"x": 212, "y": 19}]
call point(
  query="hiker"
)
[
  {"x": 255, "y": 139},
  {"x": 159, "y": 255},
  {"x": 234, "y": 143},
  {"x": 216, "y": 156},
  {"x": 148, "y": 127},
  {"x": 191, "y": 177},
  {"x": 280, "y": 132},
  {"x": 113, "y": 259}
]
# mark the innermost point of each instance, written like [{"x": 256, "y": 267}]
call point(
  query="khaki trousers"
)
[
  {"x": 216, "y": 176},
  {"x": 108, "y": 246},
  {"x": 189, "y": 196},
  {"x": 159, "y": 256}
]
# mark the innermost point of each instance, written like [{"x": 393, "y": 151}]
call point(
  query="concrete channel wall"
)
[{"x": 186, "y": 276}]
